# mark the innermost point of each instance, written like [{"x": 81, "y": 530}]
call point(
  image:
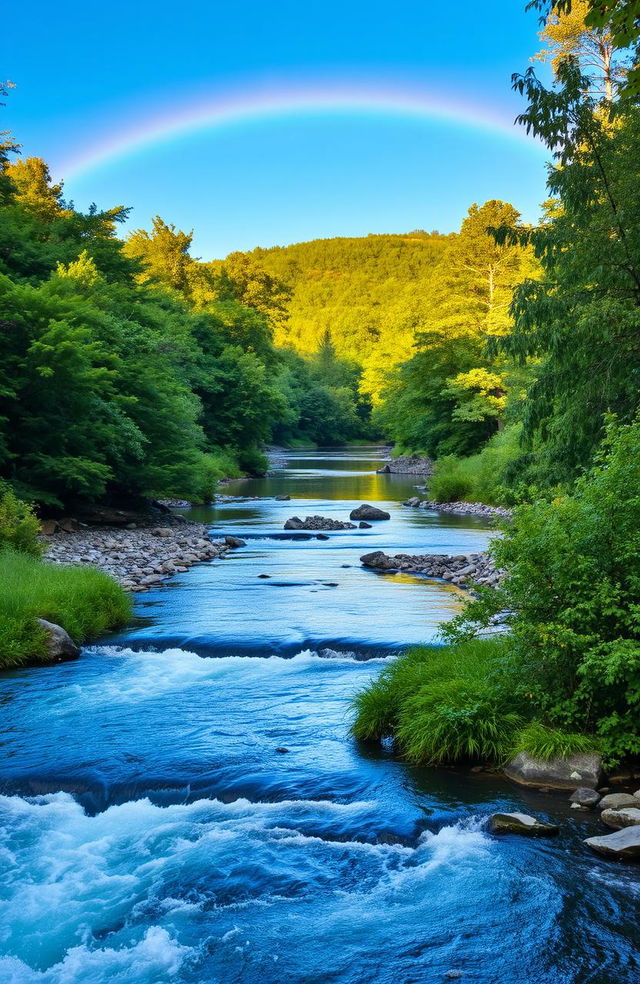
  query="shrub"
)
[
  {"x": 85, "y": 601},
  {"x": 481, "y": 477},
  {"x": 572, "y": 600},
  {"x": 443, "y": 704},
  {"x": 253, "y": 461},
  {"x": 19, "y": 526}
]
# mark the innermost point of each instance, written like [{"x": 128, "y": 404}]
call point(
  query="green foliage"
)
[
  {"x": 482, "y": 477},
  {"x": 19, "y": 526},
  {"x": 572, "y": 599},
  {"x": 541, "y": 742},
  {"x": 443, "y": 704},
  {"x": 83, "y": 600}
]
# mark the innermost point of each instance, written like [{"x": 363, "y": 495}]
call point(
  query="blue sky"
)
[{"x": 86, "y": 72}]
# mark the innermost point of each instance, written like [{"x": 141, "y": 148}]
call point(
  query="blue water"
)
[{"x": 153, "y": 829}]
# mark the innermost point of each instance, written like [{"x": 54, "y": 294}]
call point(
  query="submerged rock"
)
[
  {"x": 625, "y": 817},
  {"x": 282, "y": 498},
  {"x": 521, "y": 823},
  {"x": 60, "y": 646},
  {"x": 624, "y": 844},
  {"x": 574, "y": 772},
  {"x": 364, "y": 526},
  {"x": 234, "y": 542},
  {"x": 617, "y": 801},
  {"x": 365, "y": 511}
]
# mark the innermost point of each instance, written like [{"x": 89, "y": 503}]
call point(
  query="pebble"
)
[{"x": 138, "y": 557}]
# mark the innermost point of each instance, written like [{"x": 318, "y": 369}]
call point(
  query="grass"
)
[
  {"x": 478, "y": 478},
  {"x": 85, "y": 601},
  {"x": 455, "y": 704}
]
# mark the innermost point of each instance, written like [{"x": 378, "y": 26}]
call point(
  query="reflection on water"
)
[
  {"x": 167, "y": 816},
  {"x": 284, "y": 593}
]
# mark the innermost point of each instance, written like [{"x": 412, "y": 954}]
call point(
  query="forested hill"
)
[{"x": 371, "y": 293}]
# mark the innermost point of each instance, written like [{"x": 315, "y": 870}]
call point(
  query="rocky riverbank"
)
[
  {"x": 407, "y": 464},
  {"x": 461, "y": 570},
  {"x": 139, "y": 558},
  {"x": 461, "y": 508}
]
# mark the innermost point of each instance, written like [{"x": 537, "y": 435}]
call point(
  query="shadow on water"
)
[{"x": 187, "y": 805}]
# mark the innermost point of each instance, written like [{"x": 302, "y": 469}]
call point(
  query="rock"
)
[
  {"x": 60, "y": 646},
  {"x": 364, "y": 526},
  {"x": 637, "y": 794},
  {"x": 69, "y": 525},
  {"x": 264, "y": 576},
  {"x": 322, "y": 536},
  {"x": 366, "y": 511},
  {"x": 162, "y": 531},
  {"x": 384, "y": 471},
  {"x": 377, "y": 559},
  {"x": 234, "y": 542},
  {"x": 282, "y": 750},
  {"x": 317, "y": 523},
  {"x": 583, "y": 796},
  {"x": 48, "y": 527},
  {"x": 414, "y": 502},
  {"x": 295, "y": 523},
  {"x": 453, "y": 975},
  {"x": 282, "y": 498},
  {"x": 617, "y": 801},
  {"x": 624, "y": 844},
  {"x": 521, "y": 823},
  {"x": 626, "y": 817},
  {"x": 571, "y": 773}
]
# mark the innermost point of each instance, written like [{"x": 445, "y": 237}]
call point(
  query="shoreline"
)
[{"x": 141, "y": 556}]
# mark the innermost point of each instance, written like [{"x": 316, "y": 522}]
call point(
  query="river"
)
[{"x": 185, "y": 802}]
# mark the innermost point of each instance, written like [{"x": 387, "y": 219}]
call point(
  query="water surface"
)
[{"x": 185, "y": 803}]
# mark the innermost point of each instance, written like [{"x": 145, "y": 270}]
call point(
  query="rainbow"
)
[{"x": 254, "y": 105}]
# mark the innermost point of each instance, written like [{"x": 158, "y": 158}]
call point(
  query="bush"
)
[
  {"x": 542, "y": 742},
  {"x": 443, "y": 704},
  {"x": 19, "y": 526},
  {"x": 85, "y": 601},
  {"x": 253, "y": 461},
  {"x": 572, "y": 598},
  {"x": 481, "y": 477}
]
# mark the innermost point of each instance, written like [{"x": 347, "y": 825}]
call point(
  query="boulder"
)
[
  {"x": 414, "y": 502},
  {"x": 521, "y": 823},
  {"x": 295, "y": 523},
  {"x": 385, "y": 470},
  {"x": 366, "y": 511},
  {"x": 48, "y": 527},
  {"x": 561, "y": 773},
  {"x": 624, "y": 844},
  {"x": 617, "y": 801},
  {"x": 583, "y": 796},
  {"x": 60, "y": 646},
  {"x": 626, "y": 817},
  {"x": 378, "y": 560},
  {"x": 234, "y": 542},
  {"x": 364, "y": 526}
]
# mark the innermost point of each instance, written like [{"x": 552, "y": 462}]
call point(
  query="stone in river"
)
[
  {"x": 59, "y": 644},
  {"x": 322, "y": 536},
  {"x": 626, "y": 817},
  {"x": 234, "y": 542},
  {"x": 559, "y": 773},
  {"x": 521, "y": 823},
  {"x": 364, "y": 526},
  {"x": 295, "y": 523},
  {"x": 264, "y": 575},
  {"x": 365, "y": 511},
  {"x": 583, "y": 796},
  {"x": 617, "y": 801},
  {"x": 282, "y": 498},
  {"x": 624, "y": 844}
]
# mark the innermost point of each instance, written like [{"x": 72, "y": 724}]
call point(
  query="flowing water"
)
[{"x": 185, "y": 802}]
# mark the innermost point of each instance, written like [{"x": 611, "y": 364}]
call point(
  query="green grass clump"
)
[
  {"x": 542, "y": 742},
  {"x": 83, "y": 600},
  {"x": 442, "y": 704}
]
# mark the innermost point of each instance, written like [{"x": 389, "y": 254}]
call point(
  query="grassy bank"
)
[
  {"x": 457, "y": 703},
  {"x": 83, "y": 600}
]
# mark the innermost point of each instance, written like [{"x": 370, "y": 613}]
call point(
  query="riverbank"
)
[
  {"x": 140, "y": 558},
  {"x": 479, "y": 509},
  {"x": 461, "y": 570}
]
